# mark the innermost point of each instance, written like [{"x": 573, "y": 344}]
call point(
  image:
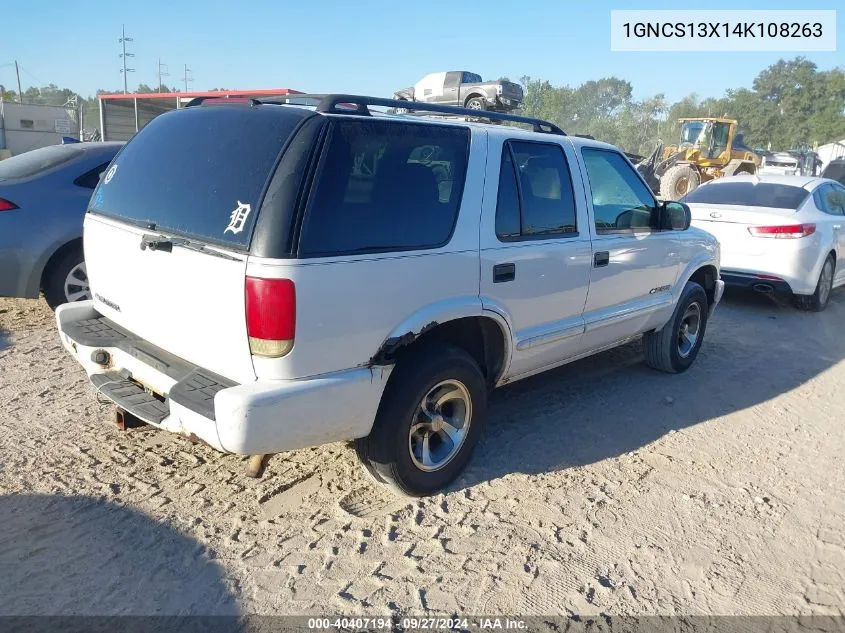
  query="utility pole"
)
[
  {"x": 162, "y": 72},
  {"x": 124, "y": 55},
  {"x": 186, "y": 77},
  {"x": 18, "y": 73}
]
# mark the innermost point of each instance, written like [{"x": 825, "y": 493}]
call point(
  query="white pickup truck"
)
[{"x": 340, "y": 274}]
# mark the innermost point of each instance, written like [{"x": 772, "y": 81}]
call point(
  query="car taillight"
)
[
  {"x": 785, "y": 231},
  {"x": 6, "y": 205},
  {"x": 270, "y": 316}
]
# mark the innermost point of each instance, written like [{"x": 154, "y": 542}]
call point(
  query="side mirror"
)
[{"x": 675, "y": 216}]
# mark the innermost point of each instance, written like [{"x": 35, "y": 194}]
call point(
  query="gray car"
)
[{"x": 43, "y": 198}]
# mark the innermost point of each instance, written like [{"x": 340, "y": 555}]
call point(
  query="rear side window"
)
[
  {"x": 385, "y": 186},
  {"x": 198, "y": 172},
  {"x": 831, "y": 199},
  {"x": 749, "y": 194},
  {"x": 536, "y": 198},
  {"x": 37, "y": 161},
  {"x": 90, "y": 179},
  {"x": 621, "y": 201}
]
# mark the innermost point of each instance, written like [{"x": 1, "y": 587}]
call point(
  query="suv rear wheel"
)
[
  {"x": 674, "y": 347},
  {"x": 431, "y": 417}
]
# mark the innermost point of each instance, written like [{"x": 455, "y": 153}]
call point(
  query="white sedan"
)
[{"x": 777, "y": 233}]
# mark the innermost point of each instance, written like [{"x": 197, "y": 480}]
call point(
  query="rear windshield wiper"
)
[
  {"x": 202, "y": 248},
  {"x": 166, "y": 244}
]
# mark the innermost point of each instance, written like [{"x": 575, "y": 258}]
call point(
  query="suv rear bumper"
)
[{"x": 261, "y": 417}]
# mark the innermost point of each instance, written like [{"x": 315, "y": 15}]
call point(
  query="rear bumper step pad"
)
[
  {"x": 131, "y": 396},
  {"x": 195, "y": 387},
  {"x": 99, "y": 332},
  {"x": 196, "y": 392}
]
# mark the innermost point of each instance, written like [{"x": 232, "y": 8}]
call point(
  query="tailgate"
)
[
  {"x": 188, "y": 186},
  {"x": 190, "y": 304},
  {"x": 511, "y": 89}
]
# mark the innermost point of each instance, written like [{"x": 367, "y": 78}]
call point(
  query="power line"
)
[
  {"x": 162, "y": 72},
  {"x": 33, "y": 77},
  {"x": 187, "y": 77},
  {"x": 124, "y": 55}
]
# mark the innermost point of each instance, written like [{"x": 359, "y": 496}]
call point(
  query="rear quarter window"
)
[
  {"x": 37, "y": 161},
  {"x": 749, "y": 194},
  {"x": 385, "y": 186},
  {"x": 91, "y": 178}
]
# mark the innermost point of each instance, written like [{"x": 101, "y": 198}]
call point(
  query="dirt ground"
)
[{"x": 601, "y": 487}]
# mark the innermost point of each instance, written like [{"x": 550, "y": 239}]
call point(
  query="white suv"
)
[{"x": 268, "y": 277}]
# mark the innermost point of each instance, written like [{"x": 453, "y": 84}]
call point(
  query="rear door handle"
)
[
  {"x": 504, "y": 272},
  {"x": 601, "y": 258}
]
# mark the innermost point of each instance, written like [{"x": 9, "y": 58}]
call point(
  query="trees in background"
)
[{"x": 789, "y": 105}]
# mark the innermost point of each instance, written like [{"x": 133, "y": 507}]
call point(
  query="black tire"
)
[
  {"x": 387, "y": 451},
  {"x": 54, "y": 281},
  {"x": 663, "y": 348},
  {"x": 401, "y": 110},
  {"x": 476, "y": 103},
  {"x": 818, "y": 301},
  {"x": 678, "y": 181}
]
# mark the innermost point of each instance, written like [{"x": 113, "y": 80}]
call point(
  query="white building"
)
[
  {"x": 831, "y": 151},
  {"x": 26, "y": 126}
]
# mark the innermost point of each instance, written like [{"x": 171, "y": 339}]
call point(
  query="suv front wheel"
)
[
  {"x": 431, "y": 417},
  {"x": 674, "y": 347}
]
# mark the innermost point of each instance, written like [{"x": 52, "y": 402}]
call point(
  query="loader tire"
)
[{"x": 678, "y": 181}]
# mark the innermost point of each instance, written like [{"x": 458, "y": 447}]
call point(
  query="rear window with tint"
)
[
  {"x": 386, "y": 186},
  {"x": 37, "y": 161},
  {"x": 199, "y": 172},
  {"x": 748, "y": 194}
]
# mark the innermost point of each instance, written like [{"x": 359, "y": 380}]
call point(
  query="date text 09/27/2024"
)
[{"x": 418, "y": 624}]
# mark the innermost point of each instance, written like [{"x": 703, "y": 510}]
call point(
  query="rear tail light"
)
[
  {"x": 270, "y": 316},
  {"x": 6, "y": 205},
  {"x": 786, "y": 231}
]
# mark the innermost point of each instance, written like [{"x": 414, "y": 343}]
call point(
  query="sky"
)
[{"x": 366, "y": 46}]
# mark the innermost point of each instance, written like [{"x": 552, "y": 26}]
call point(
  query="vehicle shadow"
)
[
  {"x": 82, "y": 557},
  {"x": 756, "y": 347}
]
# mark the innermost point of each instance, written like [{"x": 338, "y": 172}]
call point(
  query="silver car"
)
[
  {"x": 43, "y": 197},
  {"x": 779, "y": 234}
]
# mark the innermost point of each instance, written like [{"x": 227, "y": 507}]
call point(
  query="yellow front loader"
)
[{"x": 709, "y": 148}]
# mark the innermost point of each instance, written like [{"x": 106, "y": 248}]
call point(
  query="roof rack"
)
[
  {"x": 197, "y": 101},
  {"x": 357, "y": 104}
]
